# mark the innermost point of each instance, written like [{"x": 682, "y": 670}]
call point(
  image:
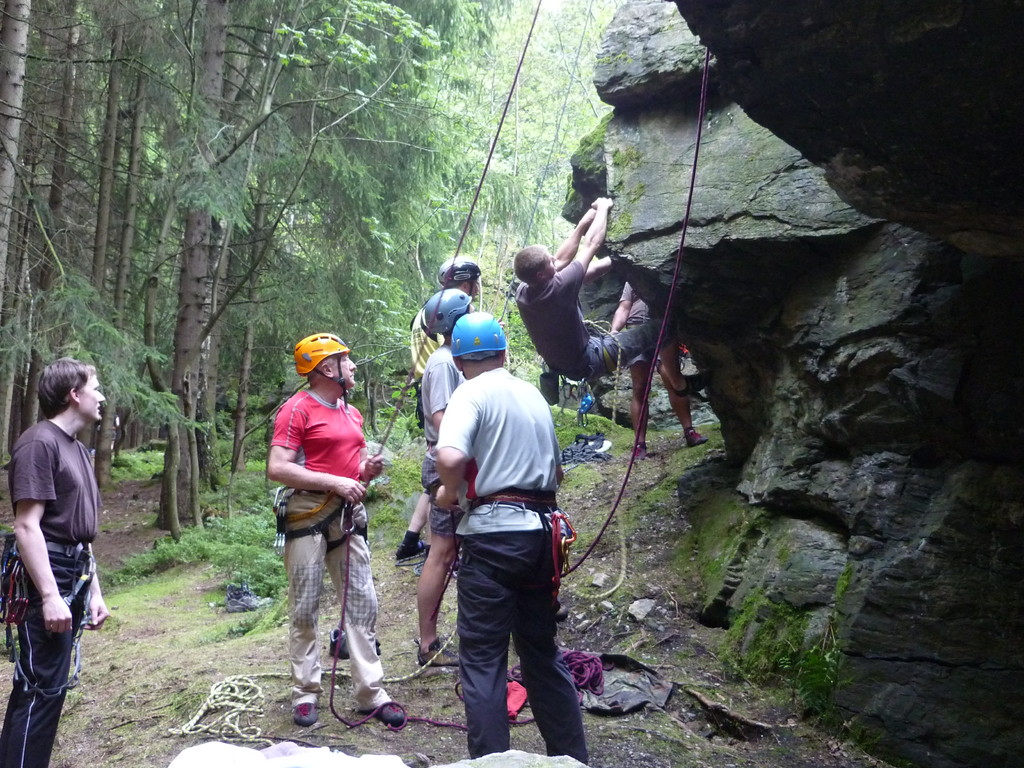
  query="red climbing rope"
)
[{"x": 668, "y": 306}]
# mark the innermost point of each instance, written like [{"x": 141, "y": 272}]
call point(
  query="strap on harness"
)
[
  {"x": 321, "y": 527},
  {"x": 517, "y": 496}
]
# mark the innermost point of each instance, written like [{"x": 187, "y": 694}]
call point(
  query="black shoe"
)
[
  {"x": 391, "y": 714},
  {"x": 339, "y": 644},
  {"x": 695, "y": 382},
  {"x": 339, "y": 650},
  {"x": 435, "y": 657},
  {"x": 562, "y": 613},
  {"x": 240, "y": 598},
  {"x": 409, "y": 551}
]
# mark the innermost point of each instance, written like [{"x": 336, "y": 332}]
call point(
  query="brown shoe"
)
[{"x": 435, "y": 657}]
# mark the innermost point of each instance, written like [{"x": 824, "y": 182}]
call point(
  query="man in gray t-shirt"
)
[
  {"x": 498, "y": 439},
  {"x": 549, "y": 304}
]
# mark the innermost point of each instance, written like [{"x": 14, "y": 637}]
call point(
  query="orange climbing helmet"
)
[{"x": 312, "y": 349}]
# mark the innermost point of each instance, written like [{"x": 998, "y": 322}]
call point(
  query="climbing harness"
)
[
  {"x": 15, "y": 609},
  {"x": 13, "y": 586}
]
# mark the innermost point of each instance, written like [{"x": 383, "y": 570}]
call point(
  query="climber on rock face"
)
[{"x": 548, "y": 302}]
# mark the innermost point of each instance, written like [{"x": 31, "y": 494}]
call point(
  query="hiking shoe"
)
[
  {"x": 305, "y": 714},
  {"x": 640, "y": 452},
  {"x": 391, "y": 714},
  {"x": 693, "y": 437},
  {"x": 562, "y": 613},
  {"x": 408, "y": 551},
  {"x": 339, "y": 644},
  {"x": 434, "y": 659},
  {"x": 339, "y": 650},
  {"x": 240, "y": 598}
]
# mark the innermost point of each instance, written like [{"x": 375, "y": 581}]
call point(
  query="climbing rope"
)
[
  {"x": 228, "y": 701},
  {"x": 497, "y": 133},
  {"x": 668, "y": 306}
]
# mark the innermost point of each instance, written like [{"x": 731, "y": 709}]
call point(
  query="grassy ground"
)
[{"x": 153, "y": 668}]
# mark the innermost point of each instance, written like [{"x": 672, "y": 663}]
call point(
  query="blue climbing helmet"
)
[
  {"x": 477, "y": 336},
  {"x": 443, "y": 309}
]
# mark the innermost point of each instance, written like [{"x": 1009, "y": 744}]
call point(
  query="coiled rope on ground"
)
[{"x": 227, "y": 702}]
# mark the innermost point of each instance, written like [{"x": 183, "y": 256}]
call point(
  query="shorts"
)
[
  {"x": 443, "y": 522},
  {"x": 429, "y": 478},
  {"x": 641, "y": 356}
]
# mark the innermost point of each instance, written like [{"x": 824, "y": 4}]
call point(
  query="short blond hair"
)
[{"x": 529, "y": 261}]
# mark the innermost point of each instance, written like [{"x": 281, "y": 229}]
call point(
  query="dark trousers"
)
[
  {"x": 40, "y": 681},
  {"x": 505, "y": 588}
]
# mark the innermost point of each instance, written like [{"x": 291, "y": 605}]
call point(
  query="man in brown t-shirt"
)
[
  {"x": 56, "y": 506},
  {"x": 548, "y": 302}
]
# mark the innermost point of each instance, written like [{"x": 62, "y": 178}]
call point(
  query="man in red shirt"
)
[{"x": 319, "y": 451}]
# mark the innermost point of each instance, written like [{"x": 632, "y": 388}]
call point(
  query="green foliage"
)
[
  {"x": 762, "y": 636},
  {"x": 245, "y": 491},
  {"x": 136, "y": 465},
  {"x": 766, "y": 643},
  {"x": 240, "y": 548},
  {"x": 815, "y": 674}
]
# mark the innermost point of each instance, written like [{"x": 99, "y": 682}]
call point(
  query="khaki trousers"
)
[{"x": 305, "y": 559}]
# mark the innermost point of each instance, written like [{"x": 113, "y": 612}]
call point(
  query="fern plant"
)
[{"x": 816, "y": 674}]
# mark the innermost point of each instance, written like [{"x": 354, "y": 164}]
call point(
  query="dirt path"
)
[{"x": 170, "y": 640}]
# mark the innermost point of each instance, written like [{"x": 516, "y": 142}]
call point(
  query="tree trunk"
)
[
  {"x": 194, "y": 275},
  {"x": 206, "y": 416},
  {"x": 244, "y": 369},
  {"x": 13, "y": 48},
  {"x": 108, "y": 160},
  {"x": 167, "y": 519},
  {"x": 131, "y": 206},
  {"x": 169, "y": 485},
  {"x": 108, "y": 155},
  {"x": 14, "y": 32}
]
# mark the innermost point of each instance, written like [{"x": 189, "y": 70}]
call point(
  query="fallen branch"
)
[{"x": 725, "y": 719}]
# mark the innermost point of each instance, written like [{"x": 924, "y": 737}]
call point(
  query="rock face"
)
[
  {"x": 912, "y": 108},
  {"x": 868, "y": 375}
]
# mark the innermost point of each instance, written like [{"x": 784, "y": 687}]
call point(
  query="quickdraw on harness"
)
[
  {"x": 563, "y": 535},
  {"x": 13, "y": 590},
  {"x": 15, "y": 609}
]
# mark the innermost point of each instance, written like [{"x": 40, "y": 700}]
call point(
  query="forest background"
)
[{"x": 188, "y": 188}]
